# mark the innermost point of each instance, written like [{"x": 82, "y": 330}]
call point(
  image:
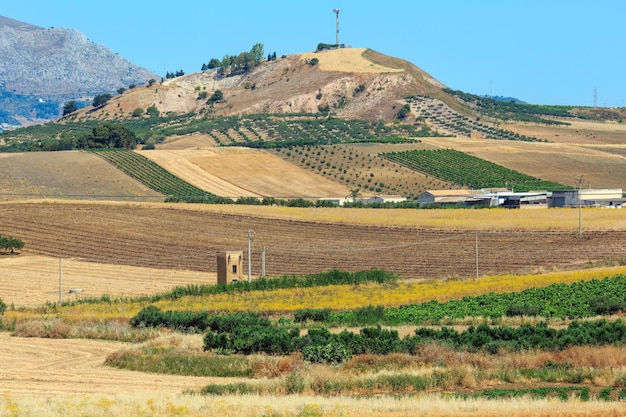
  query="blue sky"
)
[{"x": 540, "y": 51}]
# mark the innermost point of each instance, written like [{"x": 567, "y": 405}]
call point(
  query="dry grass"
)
[
  {"x": 297, "y": 406},
  {"x": 32, "y": 280},
  {"x": 346, "y": 60},
  {"x": 479, "y": 220}
]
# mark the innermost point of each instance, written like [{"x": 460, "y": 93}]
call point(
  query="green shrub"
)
[
  {"x": 523, "y": 310},
  {"x": 313, "y": 314},
  {"x": 3, "y": 307},
  {"x": 332, "y": 352},
  {"x": 604, "y": 304},
  {"x": 294, "y": 383}
]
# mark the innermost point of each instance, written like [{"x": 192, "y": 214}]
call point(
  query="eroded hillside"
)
[{"x": 351, "y": 83}]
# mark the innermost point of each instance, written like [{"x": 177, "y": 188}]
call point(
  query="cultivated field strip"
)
[{"x": 175, "y": 238}]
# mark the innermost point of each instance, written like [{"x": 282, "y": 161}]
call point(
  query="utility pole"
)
[
  {"x": 249, "y": 255},
  {"x": 580, "y": 213},
  {"x": 263, "y": 263},
  {"x": 476, "y": 256},
  {"x": 60, "y": 281}
]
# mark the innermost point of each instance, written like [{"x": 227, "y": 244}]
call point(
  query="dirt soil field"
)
[
  {"x": 244, "y": 172},
  {"x": 173, "y": 238}
]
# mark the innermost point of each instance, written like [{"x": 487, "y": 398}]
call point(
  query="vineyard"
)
[
  {"x": 563, "y": 301},
  {"x": 466, "y": 170},
  {"x": 151, "y": 174}
]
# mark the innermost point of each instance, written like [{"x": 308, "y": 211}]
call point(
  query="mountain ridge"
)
[{"x": 56, "y": 65}]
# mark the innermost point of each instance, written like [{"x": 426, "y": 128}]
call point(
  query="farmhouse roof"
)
[{"x": 452, "y": 193}]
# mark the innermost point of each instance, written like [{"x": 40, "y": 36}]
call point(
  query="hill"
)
[
  {"x": 41, "y": 68},
  {"x": 353, "y": 83}
]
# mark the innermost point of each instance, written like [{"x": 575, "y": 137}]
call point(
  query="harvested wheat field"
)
[
  {"x": 32, "y": 280},
  {"x": 48, "y": 368},
  {"x": 244, "y": 172},
  {"x": 68, "y": 174}
]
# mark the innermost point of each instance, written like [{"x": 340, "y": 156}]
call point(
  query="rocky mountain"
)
[{"x": 42, "y": 68}]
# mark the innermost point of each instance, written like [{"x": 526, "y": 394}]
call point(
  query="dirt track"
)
[{"x": 180, "y": 239}]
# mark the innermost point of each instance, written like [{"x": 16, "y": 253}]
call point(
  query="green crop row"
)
[
  {"x": 565, "y": 301},
  {"x": 466, "y": 170},
  {"x": 150, "y": 174}
]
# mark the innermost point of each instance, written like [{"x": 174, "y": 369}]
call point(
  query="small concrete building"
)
[
  {"x": 589, "y": 197},
  {"x": 229, "y": 266}
]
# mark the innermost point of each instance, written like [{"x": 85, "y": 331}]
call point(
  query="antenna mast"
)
[{"x": 336, "y": 11}]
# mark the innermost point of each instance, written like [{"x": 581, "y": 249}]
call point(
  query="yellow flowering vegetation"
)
[{"x": 338, "y": 297}]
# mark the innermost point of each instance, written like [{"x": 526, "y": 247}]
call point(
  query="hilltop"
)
[
  {"x": 41, "y": 68},
  {"x": 355, "y": 83}
]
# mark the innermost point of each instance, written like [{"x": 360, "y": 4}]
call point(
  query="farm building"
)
[
  {"x": 453, "y": 197},
  {"x": 383, "y": 199},
  {"x": 589, "y": 197},
  {"x": 229, "y": 266},
  {"x": 485, "y": 198}
]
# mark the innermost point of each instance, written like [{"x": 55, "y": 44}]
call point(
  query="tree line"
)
[{"x": 238, "y": 64}]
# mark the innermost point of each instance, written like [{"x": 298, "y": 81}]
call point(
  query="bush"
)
[
  {"x": 3, "y": 307},
  {"x": 523, "y": 310},
  {"x": 332, "y": 352},
  {"x": 152, "y": 316},
  {"x": 313, "y": 314},
  {"x": 603, "y": 305}
]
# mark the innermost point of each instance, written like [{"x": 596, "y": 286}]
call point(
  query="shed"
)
[{"x": 229, "y": 266}]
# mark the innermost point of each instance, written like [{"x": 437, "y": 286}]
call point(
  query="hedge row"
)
[{"x": 331, "y": 277}]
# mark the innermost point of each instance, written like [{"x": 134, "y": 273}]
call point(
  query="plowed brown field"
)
[{"x": 180, "y": 239}]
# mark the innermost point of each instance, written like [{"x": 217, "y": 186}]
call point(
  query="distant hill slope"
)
[
  {"x": 42, "y": 68},
  {"x": 353, "y": 83}
]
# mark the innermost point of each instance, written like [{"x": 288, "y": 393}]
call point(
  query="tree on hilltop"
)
[
  {"x": 100, "y": 100},
  {"x": 69, "y": 107}
]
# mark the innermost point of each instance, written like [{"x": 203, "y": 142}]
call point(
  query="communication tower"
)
[{"x": 336, "y": 11}]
